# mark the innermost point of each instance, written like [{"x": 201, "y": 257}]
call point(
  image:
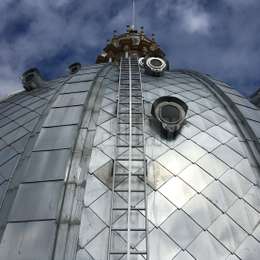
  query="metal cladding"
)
[{"x": 84, "y": 174}]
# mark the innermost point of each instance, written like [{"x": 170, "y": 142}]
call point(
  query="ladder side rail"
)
[
  {"x": 145, "y": 173},
  {"x": 130, "y": 164},
  {"x": 114, "y": 171}
]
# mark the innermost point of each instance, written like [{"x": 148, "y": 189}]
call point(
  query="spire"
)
[{"x": 133, "y": 14}]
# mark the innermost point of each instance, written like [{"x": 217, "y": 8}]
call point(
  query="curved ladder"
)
[{"x": 128, "y": 221}]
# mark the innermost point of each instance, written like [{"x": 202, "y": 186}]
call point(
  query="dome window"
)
[
  {"x": 32, "y": 79},
  {"x": 169, "y": 113},
  {"x": 155, "y": 66},
  {"x": 74, "y": 68}
]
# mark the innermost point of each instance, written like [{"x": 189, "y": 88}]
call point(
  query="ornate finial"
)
[
  {"x": 153, "y": 37},
  {"x": 115, "y": 32},
  {"x": 128, "y": 28}
]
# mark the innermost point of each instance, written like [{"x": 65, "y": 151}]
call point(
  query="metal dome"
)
[{"x": 58, "y": 148}]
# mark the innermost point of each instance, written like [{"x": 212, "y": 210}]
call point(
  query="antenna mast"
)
[{"x": 133, "y": 14}]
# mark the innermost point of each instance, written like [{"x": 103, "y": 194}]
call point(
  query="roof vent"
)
[
  {"x": 169, "y": 113},
  {"x": 155, "y": 66},
  {"x": 74, "y": 68},
  {"x": 32, "y": 79}
]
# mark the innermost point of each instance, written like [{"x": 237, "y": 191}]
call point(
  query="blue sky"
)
[{"x": 218, "y": 37}]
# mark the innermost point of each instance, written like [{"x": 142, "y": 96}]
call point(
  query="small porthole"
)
[
  {"x": 155, "y": 66},
  {"x": 169, "y": 113},
  {"x": 74, "y": 68}
]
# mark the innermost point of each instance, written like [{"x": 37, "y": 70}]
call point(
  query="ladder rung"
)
[
  {"x": 139, "y": 96},
  {"x": 120, "y": 190},
  {"x": 133, "y": 174},
  {"x": 127, "y": 208},
  {"x": 132, "y": 229},
  {"x": 133, "y": 103},
  {"x": 128, "y": 134},
  {"x": 132, "y": 146},
  {"x": 131, "y": 253},
  {"x": 139, "y": 89},
  {"x": 133, "y": 123},
  {"x": 127, "y": 159},
  {"x": 133, "y": 113}
]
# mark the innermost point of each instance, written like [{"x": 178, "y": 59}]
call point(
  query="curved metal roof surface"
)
[{"x": 56, "y": 157}]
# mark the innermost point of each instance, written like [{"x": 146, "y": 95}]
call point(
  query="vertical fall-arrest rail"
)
[{"x": 128, "y": 214}]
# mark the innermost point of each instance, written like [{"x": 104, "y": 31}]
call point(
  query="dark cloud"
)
[{"x": 220, "y": 38}]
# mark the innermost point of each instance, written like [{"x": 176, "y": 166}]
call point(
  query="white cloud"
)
[{"x": 196, "y": 22}]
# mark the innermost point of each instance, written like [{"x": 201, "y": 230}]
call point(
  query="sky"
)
[{"x": 217, "y": 37}]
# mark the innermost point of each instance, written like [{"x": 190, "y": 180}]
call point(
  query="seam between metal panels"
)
[
  {"x": 237, "y": 117},
  {"x": 66, "y": 243},
  {"x": 28, "y": 150}
]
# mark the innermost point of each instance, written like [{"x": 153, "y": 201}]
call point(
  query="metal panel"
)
[
  {"x": 90, "y": 226},
  {"x": 15, "y": 135},
  {"x": 206, "y": 141},
  {"x": 201, "y": 210},
  {"x": 76, "y": 87},
  {"x": 181, "y": 228},
  {"x": 244, "y": 168},
  {"x": 220, "y": 134},
  {"x": 159, "y": 208},
  {"x": 48, "y": 165},
  {"x": 244, "y": 215},
  {"x": 228, "y": 232},
  {"x": 227, "y": 155},
  {"x": 183, "y": 255},
  {"x": 67, "y": 100},
  {"x": 6, "y": 170},
  {"x": 177, "y": 191},
  {"x": 165, "y": 248},
  {"x": 84, "y": 77},
  {"x": 98, "y": 246},
  {"x": 36, "y": 201},
  {"x": 63, "y": 116},
  {"x": 213, "y": 117},
  {"x": 8, "y": 128},
  {"x": 207, "y": 247},
  {"x": 94, "y": 163},
  {"x": 200, "y": 122},
  {"x": 220, "y": 195},
  {"x": 94, "y": 189},
  {"x": 237, "y": 183},
  {"x": 250, "y": 249},
  {"x": 212, "y": 165},
  {"x": 158, "y": 175},
  {"x": 6, "y": 154},
  {"x": 150, "y": 143},
  {"x": 196, "y": 177},
  {"x": 56, "y": 138},
  {"x": 173, "y": 161},
  {"x": 190, "y": 150},
  {"x": 28, "y": 241}
]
